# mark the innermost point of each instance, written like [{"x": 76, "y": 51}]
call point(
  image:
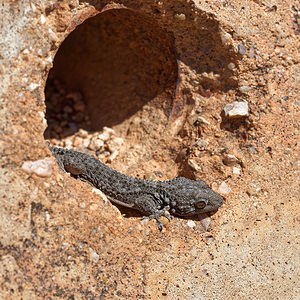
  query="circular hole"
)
[{"x": 106, "y": 70}]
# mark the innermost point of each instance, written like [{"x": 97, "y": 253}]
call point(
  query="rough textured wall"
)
[{"x": 160, "y": 74}]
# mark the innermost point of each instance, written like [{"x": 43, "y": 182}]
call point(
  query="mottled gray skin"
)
[{"x": 181, "y": 196}]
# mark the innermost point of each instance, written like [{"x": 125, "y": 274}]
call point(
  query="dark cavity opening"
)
[{"x": 106, "y": 70}]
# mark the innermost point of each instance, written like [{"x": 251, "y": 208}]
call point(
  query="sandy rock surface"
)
[{"x": 142, "y": 86}]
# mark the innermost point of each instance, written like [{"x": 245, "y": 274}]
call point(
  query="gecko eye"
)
[{"x": 201, "y": 203}]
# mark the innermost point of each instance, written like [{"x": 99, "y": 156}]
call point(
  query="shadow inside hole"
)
[
  {"x": 202, "y": 43},
  {"x": 106, "y": 70}
]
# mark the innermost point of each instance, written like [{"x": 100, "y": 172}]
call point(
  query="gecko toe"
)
[{"x": 157, "y": 216}]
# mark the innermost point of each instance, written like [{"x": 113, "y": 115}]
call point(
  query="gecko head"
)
[{"x": 195, "y": 197}]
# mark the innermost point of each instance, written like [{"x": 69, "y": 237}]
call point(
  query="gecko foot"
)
[{"x": 157, "y": 216}]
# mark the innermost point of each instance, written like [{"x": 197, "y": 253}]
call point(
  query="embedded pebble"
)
[
  {"x": 101, "y": 194},
  {"x": 94, "y": 256},
  {"x": 202, "y": 144},
  {"x": 94, "y": 207},
  {"x": 85, "y": 143},
  {"x": 226, "y": 38},
  {"x": 191, "y": 223},
  {"x": 114, "y": 144},
  {"x": 180, "y": 17},
  {"x": 224, "y": 188},
  {"x": 68, "y": 143},
  {"x": 43, "y": 19},
  {"x": 78, "y": 141},
  {"x": 244, "y": 88},
  {"x": 236, "y": 109},
  {"x": 231, "y": 66},
  {"x": 230, "y": 160},
  {"x": 82, "y": 133},
  {"x": 251, "y": 53},
  {"x": 32, "y": 86},
  {"x": 108, "y": 131},
  {"x": 113, "y": 156},
  {"x": 49, "y": 60},
  {"x": 206, "y": 223},
  {"x": 204, "y": 121},
  {"x": 150, "y": 176},
  {"x": 253, "y": 190},
  {"x": 194, "y": 82},
  {"x": 242, "y": 48},
  {"x": 42, "y": 167},
  {"x": 82, "y": 205},
  {"x": 52, "y": 36},
  {"x": 194, "y": 165},
  {"x": 236, "y": 171},
  {"x": 257, "y": 204},
  {"x": 95, "y": 144},
  {"x": 105, "y": 135},
  {"x": 47, "y": 216}
]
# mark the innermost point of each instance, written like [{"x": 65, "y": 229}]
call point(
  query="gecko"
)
[{"x": 180, "y": 196}]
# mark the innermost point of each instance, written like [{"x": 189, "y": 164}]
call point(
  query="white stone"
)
[
  {"x": 231, "y": 66},
  {"x": 236, "y": 171},
  {"x": 85, "y": 143},
  {"x": 224, "y": 188},
  {"x": 101, "y": 194},
  {"x": 191, "y": 223},
  {"x": 194, "y": 165},
  {"x": 43, "y": 19},
  {"x": 52, "y": 36},
  {"x": 42, "y": 167},
  {"x": 32, "y": 86},
  {"x": 244, "y": 88},
  {"x": 112, "y": 156},
  {"x": 49, "y": 60},
  {"x": 77, "y": 142},
  {"x": 95, "y": 144},
  {"x": 206, "y": 223},
  {"x": 108, "y": 130},
  {"x": 94, "y": 256},
  {"x": 68, "y": 143},
  {"x": 204, "y": 121},
  {"x": 82, "y": 133},
  {"x": 47, "y": 216},
  {"x": 114, "y": 144},
  {"x": 236, "y": 109},
  {"x": 106, "y": 133}
]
